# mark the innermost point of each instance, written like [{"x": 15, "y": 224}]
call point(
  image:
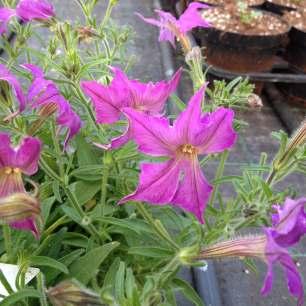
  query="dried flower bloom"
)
[
  {"x": 13, "y": 163},
  {"x": 71, "y": 293},
  {"x": 170, "y": 27},
  {"x": 179, "y": 180},
  {"x": 254, "y": 101},
  {"x": 18, "y": 207},
  {"x": 109, "y": 100}
]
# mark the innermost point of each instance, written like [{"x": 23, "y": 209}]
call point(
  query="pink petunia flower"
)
[
  {"x": 5, "y": 16},
  {"x": 170, "y": 27},
  {"x": 288, "y": 226},
  {"x": 28, "y": 10},
  {"x": 289, "y": 222},
  {"x": 13, "y": 163},
  {"x": 109, "y": 101},
  {"x": 44, "y": 95},
  {"x": 179, "y": 180}
]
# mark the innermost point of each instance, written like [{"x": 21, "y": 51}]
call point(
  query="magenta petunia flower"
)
[
  {"x": 268, "y": 250},
  {"x": 43, "y": 94},
  {"x": 274, "y": 253},
  {"x": 28, "y": 10},
  {"x": 179, "y": 180},
  {"x": 289, "y": 222},
  {"x": 109, "y": 100},
  {"x": 5, "y": 16},
  {"x": 7, "y": 76},
  {"x": 13, "y": 163},
  {"x": 170, "y": 27}
]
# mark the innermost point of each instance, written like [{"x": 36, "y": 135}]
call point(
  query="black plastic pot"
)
[
  {"x": 238, "y": 52},
  {"x": 296, "y": 50},
  {"x": 278, "y": 8}
]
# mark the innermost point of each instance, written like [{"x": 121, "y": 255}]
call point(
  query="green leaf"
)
[
  {"x": 67, "y": 261},
  {"x": 86, "y": 153},
  {"x": 19, "y": 296},
  {"x": 88, "y": 172},
  {"x": 48, "y": 262},
  {"x": 154, "y": 252},
  {"x": 85, "y": 191},
  {"x": 131, "y": 224},
  {"x": 119, "y": 283},
  {"x": 86, "y": 266},
  {"x": 75, "y": 239},
  {"x": 188, "y": 291},
  {"x": 46, "y": 206}
]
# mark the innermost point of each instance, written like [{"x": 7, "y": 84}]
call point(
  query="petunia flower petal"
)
[
  {"x": 188, "y": 123},
  {"x": 289, "y": 222},
  {"x": 193, "y": 191},
  {"x": 67, "y": 118},
  {"x": 217, "y": 133},
  {"x": 275, "y": 253},
  {"x": 29, "y": 10},
  {"x": 107, "y": 100},
  {"x": 158, "y": 183},
  {"x": 192, "y": 18},
  {"x": 28, "y": 224},
  {"x": 7, "y": 76},
  {"x": 27, "y": 155},
  {"x": 121, "y": 140},
  {"x": 166, "y": 19},
  {"x": 153, "y": 135},
  {"x": 5, "y": 16},
  {"x": 7, "y": 153}
]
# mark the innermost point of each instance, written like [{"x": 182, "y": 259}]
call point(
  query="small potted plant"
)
[{"x": 242, "y": 39}]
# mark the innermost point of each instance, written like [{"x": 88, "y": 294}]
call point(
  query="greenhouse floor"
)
[{"x": 237, "y": 285}]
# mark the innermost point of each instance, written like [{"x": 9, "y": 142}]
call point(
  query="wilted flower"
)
[
  {"x": 109, "y": 100},
  {"x": 170, "y": 27},
  {"x": 28, "y": 10},
  {"x": 254, "y": 101},
  {"x": 17, "y": 207},
  {"x": 7, "y": 76},
  {"x": 5, "y": 16},
  {"x": 71, "y": 293},
  {"x": 179, "y": 180},
  {"x": 289, "y": 225},
  {"x": 13, "y": 163},
  {"x": 43, "y": 94}
]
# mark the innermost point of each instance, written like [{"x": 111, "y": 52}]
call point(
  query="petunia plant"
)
[{"x": 108, "y": 191}]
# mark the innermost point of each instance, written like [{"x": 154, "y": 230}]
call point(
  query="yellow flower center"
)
[
  {"x": 10, "y": 170},
  {"x": 188, "y": 149}
]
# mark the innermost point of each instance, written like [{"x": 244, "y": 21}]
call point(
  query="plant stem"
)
[
  {"x": 42, "y": 289},
  {"x": 219, "y": 174},
  {"x": 7, "y": 240},
  {"x": 160, "y": 232},
  {"x": 74, "y": 202}
]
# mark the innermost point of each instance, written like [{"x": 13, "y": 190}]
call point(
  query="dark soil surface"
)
[
  {"x": 296, "y": 19},
  {"x": 250, "y": 22}
]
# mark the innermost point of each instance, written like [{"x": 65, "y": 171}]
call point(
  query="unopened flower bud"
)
[
  {"x": 71, "y": 293},
  {"x": 195, "y": 54},
  {"x": 18, "y": 206},
  {"x": 254, "y": 101}
]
